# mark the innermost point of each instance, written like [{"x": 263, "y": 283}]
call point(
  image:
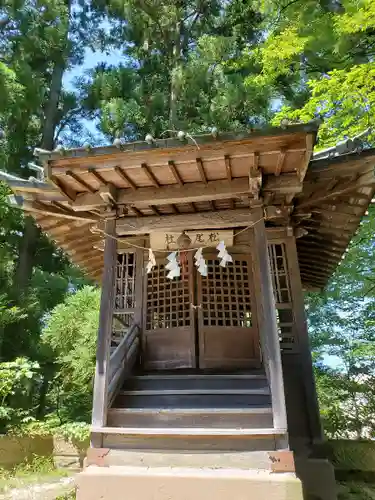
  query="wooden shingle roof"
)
[{"x": 147, "y": 186}]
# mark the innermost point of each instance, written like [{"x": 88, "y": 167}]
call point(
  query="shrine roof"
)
[{"x": 203, "y": 178}]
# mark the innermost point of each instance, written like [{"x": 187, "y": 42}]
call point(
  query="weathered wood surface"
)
[
  {"x": 269, "y": 336},
  {"x": 189, "y": 192},
  {"x": 227, "y": 329},
  {"x": 312, "y": 406},
  {"x": 213, "y": 220},
  {"x": 100, "y": 396}
]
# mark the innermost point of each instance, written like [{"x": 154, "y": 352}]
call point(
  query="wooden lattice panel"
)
[
  {"x": 168, "y": 302},
  {"x": 279, "y": 271},
  {"x": 124, "y": 295},
  {"x": 226, "y": 294},
  {"x": 283, "y": 298},
  {"x": 125, "y": 281}
]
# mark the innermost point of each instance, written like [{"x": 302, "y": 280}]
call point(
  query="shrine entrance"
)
[{"x": 201, "y": 322}]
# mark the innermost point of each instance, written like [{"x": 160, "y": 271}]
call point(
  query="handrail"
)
[
  {"x": 122, "y": 360},
  {"x": 123, "y": 346}
]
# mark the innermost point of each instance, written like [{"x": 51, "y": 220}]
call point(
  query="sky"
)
[{"x": 91, "y": 60}]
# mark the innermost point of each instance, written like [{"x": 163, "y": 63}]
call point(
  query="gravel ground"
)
[{"x": 47, "y": 491}]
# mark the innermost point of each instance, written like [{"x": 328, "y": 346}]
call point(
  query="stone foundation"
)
[{"x": 176, "y": 483}]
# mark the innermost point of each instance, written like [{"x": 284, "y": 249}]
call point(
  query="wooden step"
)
[
  {"x": 189, "y": 432},
  {"x": 184, "y": 399},
  {"x": 190, "y": 439},
  {"x": 201, "y": 383},
  {"x": 189, "y": 392},
  {"x": 258, "y": 460},
  {"x": 205, "y": 417}
]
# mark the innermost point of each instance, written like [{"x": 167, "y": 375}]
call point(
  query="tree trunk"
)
[
  {"x": 26, "y": 257},
  {"x": 51, "y": 107},
  {"x": 174, "y": 85},
  {"x": 29, "y": 241}
]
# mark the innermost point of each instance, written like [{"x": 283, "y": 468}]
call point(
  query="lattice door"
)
[
  {"x": 228, "y": 335},
  {"x": 169, "y": 339}
]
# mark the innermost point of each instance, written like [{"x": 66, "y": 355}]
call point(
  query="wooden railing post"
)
[
  {"x": 139, "y": 267},
  {"x": 303, "y": 340},
  {"x": 100, "y": 396},
  {"x": 267, "y": 321}
]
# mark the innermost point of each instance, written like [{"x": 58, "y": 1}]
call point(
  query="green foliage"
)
[
  {"x": 342, "y": 329},
  {"x": 355, "y": 491},
  {"x": 68, "y": 496},
  {"x": 178, "y": 74},
  {"x": 70, "y": 333},
  {"x": 343, "y": 99},
  {"x": 17, "y": 381}
]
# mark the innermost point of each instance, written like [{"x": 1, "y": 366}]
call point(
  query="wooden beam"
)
[
  {"x": 97, "y": 176},
  {"x": 328, "y": 234},
  {"x": 77, "y": 234},
  {"x": 310, "y": 139},
  {"x": 329, "y": 231},
  {"x": 124, "y": 243},
  {"x": 80, "y": 181},
  {"x": 155, "y": 210},
  {"x": 136, "y": 211},
  {"x": 174, "y": 209},
  {"x": 228, "y": 167},
  {"x": 51, "y": 227},
  {"x": 335, "y": 214},
  {"x": 201, "y": 171},
  {"x": 255, "y": 176},
  {"x": 202, "y": 220},
  {"x": 100, "y": 395},
  {"x": 266, "y": 315},
  {"x": 304, "y": 251},
  {"x": 321, "y": 267},
  {"x": 308, "y": 381},
  {"x": 189, "y": 192},
  {"x": 351, "y": 210},
  {"x": 280, "y": 162},
  {"x": 176, "y": 175},
  {"x": 66, "y": 191},
  {"x": 75, "y": 246},
  {"x": 344, "y": 187},
  {"x": 61, "y": 206},
  {"x": 40, "y": 208},
  {"x": 125, "y": 178},
  {"x": 212, "y": 205},
  {"x": 322, "y": 223},
  {"x": 335, "y": 240},
  {"x": 320, "y": 245},
  {"x": 150, "y": 175},
  {"x": 322, "y": 276}
]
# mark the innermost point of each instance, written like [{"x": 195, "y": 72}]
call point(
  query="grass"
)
[
  {"x": 356, "y": 491},
  {"x": 36, "y": 470},
  {"x": 68, "y": 496}
]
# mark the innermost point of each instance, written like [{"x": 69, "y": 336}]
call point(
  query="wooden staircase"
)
[{"x": 192, "y": 411}]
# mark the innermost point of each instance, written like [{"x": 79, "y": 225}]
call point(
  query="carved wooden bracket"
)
[{"x": 255, "y": 177}]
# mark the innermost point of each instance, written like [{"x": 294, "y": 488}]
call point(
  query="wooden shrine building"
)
[{"x": 204, "y": 384}]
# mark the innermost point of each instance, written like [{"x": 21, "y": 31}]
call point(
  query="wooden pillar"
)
[
  {"x": 100, "y": 397},
  {"x": 139, "y": 273},
  {"x": 303, "y": 340},
  {"x": 267, "y": 322}
]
